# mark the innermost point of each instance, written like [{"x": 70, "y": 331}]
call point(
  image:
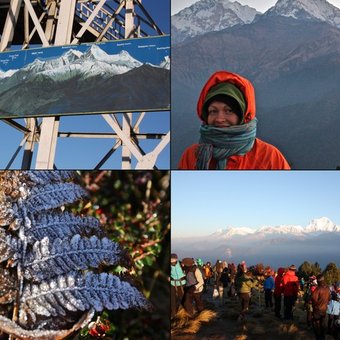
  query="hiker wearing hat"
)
[
  {"x": 244, "y": 284},
  {"x": 193, "y": 287},
  {"x": 290, "y": 287},
  {"x": 268, "y": 286},
  {"x": 208, "y": 273},
  {"x": 320, "y": 299},
  {"x": 311, "y": 286},
  {"x": 177, "y": 284},
  {"x": 226, "y": 107}
]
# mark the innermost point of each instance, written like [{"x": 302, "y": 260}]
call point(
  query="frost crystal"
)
[{"x": 46, "y": 257}]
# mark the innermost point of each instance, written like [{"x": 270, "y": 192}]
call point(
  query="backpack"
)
[{"x": 224, "y": 279}]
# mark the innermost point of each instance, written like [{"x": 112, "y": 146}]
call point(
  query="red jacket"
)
[
  {"x": 278, "y": 290},
  {"x": 261, "y": 156},
  {"x": 290, "y": 284}
]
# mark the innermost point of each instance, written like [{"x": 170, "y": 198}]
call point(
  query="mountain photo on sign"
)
[
  {"x": 290, "y": 52},
  {"x": 90, "y": 78}
]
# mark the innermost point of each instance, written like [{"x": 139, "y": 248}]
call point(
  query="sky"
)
[
  {"x": 80, "y": 153},
  {"x": 204, "y": 201},
  {"x": 260, "y": 5}
]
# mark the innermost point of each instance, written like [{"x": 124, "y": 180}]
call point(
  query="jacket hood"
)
[
  {"x": 280, "y": 271},
  {"x": 243, "y": 84}
]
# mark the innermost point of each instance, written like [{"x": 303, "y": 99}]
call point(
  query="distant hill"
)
[
  {"x": 273, "y": 245},
  {"x": 294, "y": 65}
]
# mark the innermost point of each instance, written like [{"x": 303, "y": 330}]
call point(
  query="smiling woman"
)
[{"x": 226, "y": 107}]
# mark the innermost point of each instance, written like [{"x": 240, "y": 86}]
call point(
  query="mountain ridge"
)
[
  {"x": 215, "y": 15},
  {"x": 322, "y": 224},
  {"x": 209, "y": 15},
  {"x": 318, "y": 241}
]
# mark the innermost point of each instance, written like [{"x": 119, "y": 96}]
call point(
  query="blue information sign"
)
[{"x": 116, "y": 76}]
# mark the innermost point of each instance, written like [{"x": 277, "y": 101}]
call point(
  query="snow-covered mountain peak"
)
[
  {"x": 231, "y": 231},
  {"x": 209, "y": 15},
  {"x": 322, "y": 224},
  {"x": 319, "y": 225},
  {"x": 7, "y": 74},
  {"x": 72, "y": 55},
  {"x": 95, "y": 52},
  {"x": 307, "y": 9},
  {"x": 282, "y": 229}
]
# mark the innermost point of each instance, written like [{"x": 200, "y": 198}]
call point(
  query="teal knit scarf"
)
[{"x": 221, "y": 143}]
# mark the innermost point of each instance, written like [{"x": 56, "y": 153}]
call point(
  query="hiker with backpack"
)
[
  {"x": 225, "y": 284},
  {"x": 278, "y": 291},
  {"x": 311, "y": 286},
  {"x": 207, "y": 275},
  {"x": 290, "y": 286},
  {"x": 320, "y": 299},
  {"x": 218, "y": 285},
  {"x": 177, "y": 282},
  {"x": 244, "y": 284},
  {"x": 268, "y": 287},
  {"x": 232, "y": 275},
  {"x": 193, "y": 288}
]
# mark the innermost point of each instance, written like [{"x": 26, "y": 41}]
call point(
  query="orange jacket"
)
[
  {"x": 290, "y": 284},
  {"x": 261, "y": 156}
]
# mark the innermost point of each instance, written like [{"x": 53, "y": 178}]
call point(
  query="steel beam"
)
[
  {"x": 88, "y": 22},
  {"x": 29, "y": 145},
  {"x": 47, "y": 143},
  {"x": 65, "y": 22},
  {"x": 36, "y": 23},
  {"x": 11, "y": 21},
  {"x": 148, "y": 161}
]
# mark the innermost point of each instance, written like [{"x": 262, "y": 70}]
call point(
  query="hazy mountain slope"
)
[
  {"x": 209, "y": 15},
  {"x": 307, "y": 10}
]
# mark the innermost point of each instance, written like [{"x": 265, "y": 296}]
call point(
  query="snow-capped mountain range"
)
[
  {"x": 209, "y": 15},
  {"x": 277, "y": 246},
  {"x": 215, "y": 15},
  {"x": 307, "y": 9},
  {"x": 316, "y": 226},
  {"x": 94, "y": 61}
]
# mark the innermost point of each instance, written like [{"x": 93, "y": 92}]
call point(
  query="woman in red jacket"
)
[
  {"x": 278, "y": 291},
  {"x": 226, "y": 107}
]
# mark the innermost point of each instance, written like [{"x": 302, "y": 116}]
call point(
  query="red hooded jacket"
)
[
  {"x": 278, "y": 290},
  {"x": 262, "y": 156},
  {"x": 290, "y": 284}
]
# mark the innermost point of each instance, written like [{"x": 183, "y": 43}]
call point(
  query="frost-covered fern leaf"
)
[
  {"x": 46, "y": 176},
  {"x": 62, "y": 256},
  {"x": 46, "y": 254},
  {"x": 8, "y": 287},
  {"x": 52, "y": 196},
  {"x": 9, "y": 246},
  {"x": 60, "y": 225},
  {"x": 77, "y": 292}
]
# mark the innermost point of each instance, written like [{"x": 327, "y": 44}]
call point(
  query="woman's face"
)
[{"x": 221, "y": 115}]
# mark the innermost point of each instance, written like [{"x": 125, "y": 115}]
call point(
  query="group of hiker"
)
[{"x": 190, "y": 279}]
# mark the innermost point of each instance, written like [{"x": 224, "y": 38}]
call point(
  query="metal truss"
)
[{"x": 62, "y": 22}]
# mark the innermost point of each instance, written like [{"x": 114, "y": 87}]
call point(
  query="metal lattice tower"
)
[{"x": 25, "y": 23}]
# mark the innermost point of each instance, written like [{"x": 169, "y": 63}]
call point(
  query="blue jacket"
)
[
  {"x": 177, "y": 275},
  {"x": 269, "y": 283}
]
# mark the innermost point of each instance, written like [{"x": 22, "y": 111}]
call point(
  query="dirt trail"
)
[{"x": 219, "y": 321}]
